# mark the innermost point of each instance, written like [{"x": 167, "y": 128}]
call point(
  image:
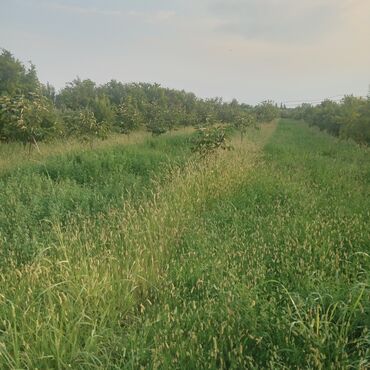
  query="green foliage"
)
[
  {"x": 128, "y": 117},
  {"x": 155, "y": 129},
  {"x": 267, "y": 111},
  {"x": 273, "y": 275},
  {"x": 326, "y": 117},
  {"x": 347, "y": 119},
  {"x": 15, "y": 78},
  {"x": 77, "y": 94},
  {"x": 48, "y": 91},
  {"x": 158, "y": 108},
  {"x": 27, "y": 119},
  {"x": 124, "y": 107},
  {"x": 157, "y": 118},
  {"x": 354, "y": 119},
  {"x": 208, "y": 140},
  {"x": 26, "y": 114},
  {"x": 72, "y": 188},
  {"x": 103, "y": 110},
  {"x": 84, "y": 125},
  {"x": 134, "y": 257},
  {"x": 243, "y": 121}
]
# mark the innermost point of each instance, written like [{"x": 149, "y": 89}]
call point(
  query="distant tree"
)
[
  {"x": 266, "y": 111},
  {"x": 354, "y": 119},
  {"x": 349, "y": 118},
  {"x": 326, "y": 117},
  {"x": 83, "y": 124},
  {"x": 206, "y": 113},
  {"x": 156, "y": 119},
  {"x": 242, "y": 121},
  {"x": 128, "y": 117},
  {"x": 103, "y": 109},
  {"x": 78, "y": 94},
  {"x": 30, "y": 81},
  {"x": 48, "y": 91},
  {"x": 15, "y": 78},
  {"x": 115, "y": 91}
]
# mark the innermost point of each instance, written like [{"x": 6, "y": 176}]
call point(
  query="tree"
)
[
  {"x": 102, "y": 109},
  {"x": 27, "y": 119},
  {"x": 354, "y": 119},
  {"x": 349, "y": 118},
  {"x": 115, "y": 91},
  {"x": 48, "y": 91},
  {"x": 156, "y": 119},
  {"x": 266, "y": 111},
  {"x": 326, "y": 117},
  {"x": 78, "y": 94},
  {"x": 242, "y": 121},
  {"x": 208, "y": 140},
  {"x": 128, "y": 117},
  {"x": 15, "y": 78},
  {"x": 83, "y": 124}
]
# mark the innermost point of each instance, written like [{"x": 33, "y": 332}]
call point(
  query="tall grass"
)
[
  {"x": 275, "y": 275},
  {"x": 70, "y": 187},
  {"x": 253, "y": 258},
  {"x": 16, "y": 154},
  {"x": 72, "y": 307}
]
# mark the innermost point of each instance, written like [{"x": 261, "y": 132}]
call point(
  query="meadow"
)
[{"x": 141, "y": 254}]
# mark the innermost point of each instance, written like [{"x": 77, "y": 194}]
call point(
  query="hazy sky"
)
[{"x": 249, "y": 49}]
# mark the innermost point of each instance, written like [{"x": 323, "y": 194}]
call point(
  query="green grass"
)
[
  {"x": 69, "y": 188},
  {"x": 16, "y": 154},
  {"x": 253, "y": 258},
  {"x": 274, "y": 275}
]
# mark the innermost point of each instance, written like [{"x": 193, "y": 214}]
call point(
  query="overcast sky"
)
[{"x": 285, "y": 50}]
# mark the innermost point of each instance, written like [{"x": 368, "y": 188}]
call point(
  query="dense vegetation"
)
[
  {"x": 31, "y": 112},
  {"x": 349, "y": 119},
  {"x": 148, "y": 255},
  {"x": 68, "y": 188},
  {"x": 169, "y": 252}
]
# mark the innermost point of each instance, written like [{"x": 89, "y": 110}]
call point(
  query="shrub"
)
[
  {"x": 27, "y": 119},
  {"x": 210, "y": 139}
]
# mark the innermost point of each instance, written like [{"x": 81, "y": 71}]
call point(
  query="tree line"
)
[
  {"x": 349, "y": 118},
  {"x": 31, "y": 111}
]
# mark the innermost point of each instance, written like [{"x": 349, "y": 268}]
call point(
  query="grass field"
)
[{"x": 144, "y": 256}]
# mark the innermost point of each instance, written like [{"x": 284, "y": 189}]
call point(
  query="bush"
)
[
  {"x": 210, "y": 139},
  {"x": 348, "y": 119},
  {"x": 27, "y": 119},
  {"x": 84, "y": 125}
]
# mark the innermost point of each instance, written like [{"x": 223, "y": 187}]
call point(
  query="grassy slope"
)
[{"x": 254, "y": 258}]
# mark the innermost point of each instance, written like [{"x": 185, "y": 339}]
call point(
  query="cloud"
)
[
  {"x": 154, "y": 16},
  {"x": 78, "y": 9},
  {"x": 148, "y": 16},
  {"x": 251, "y": 49},
  {"x": 277, "y": 20}
]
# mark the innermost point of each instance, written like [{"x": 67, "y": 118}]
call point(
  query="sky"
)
[{"x": 285, "y": 50}]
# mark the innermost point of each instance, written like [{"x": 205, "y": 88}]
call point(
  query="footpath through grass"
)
[{"x": 253, "y": 258}]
